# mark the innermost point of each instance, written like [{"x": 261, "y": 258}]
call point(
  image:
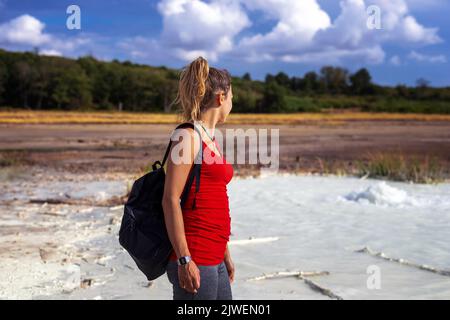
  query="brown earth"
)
[{"x": 317, "y": 147}]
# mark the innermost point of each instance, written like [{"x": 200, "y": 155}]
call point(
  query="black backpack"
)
[{"x": 143, "y": 232}]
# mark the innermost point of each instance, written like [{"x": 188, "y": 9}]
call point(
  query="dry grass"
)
[
  {"x": 12, "y": 165},
  {"x": 399, "y": 167},
  {"x": 73, "y": 117},
  {"x": 13, "y": 159},
  {"x": 330, "y": 118}
]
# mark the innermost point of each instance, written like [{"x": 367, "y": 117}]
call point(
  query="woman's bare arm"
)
[
  {"x": 176, "y": 176},
  {"x": 175, "y": 180}
]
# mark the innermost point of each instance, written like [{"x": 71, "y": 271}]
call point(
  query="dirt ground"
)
[{"x": 111, "y": 148}]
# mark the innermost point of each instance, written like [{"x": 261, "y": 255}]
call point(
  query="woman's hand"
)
[
  {"x": 189, "y": 277},
  {"x": 230, "y": 267}
]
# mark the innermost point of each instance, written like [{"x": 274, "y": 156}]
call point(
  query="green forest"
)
[{"x": 31, "y": 81}]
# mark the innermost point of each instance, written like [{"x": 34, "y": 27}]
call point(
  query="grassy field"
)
[{"x": 79, "y": 117}]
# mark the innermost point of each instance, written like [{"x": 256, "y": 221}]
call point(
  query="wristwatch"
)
[{"x": 184, "y": 260}]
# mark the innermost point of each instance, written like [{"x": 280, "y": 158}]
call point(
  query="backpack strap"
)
[
  {"x": 196, "y": 169},
  {"x": 183, "y": 125}
]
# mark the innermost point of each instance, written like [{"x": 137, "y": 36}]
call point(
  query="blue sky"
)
[{"x": 256, "y": 36}]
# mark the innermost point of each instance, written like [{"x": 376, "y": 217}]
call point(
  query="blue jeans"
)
[{"x": 214, "y": 283}]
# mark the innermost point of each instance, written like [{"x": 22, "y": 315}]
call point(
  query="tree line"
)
[{"x": 29, "y": 80}]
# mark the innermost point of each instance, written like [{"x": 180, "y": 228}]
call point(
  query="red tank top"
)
[{"x": 207, "y": 226}]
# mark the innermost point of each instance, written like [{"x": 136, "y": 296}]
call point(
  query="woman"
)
[{"x": 200, "y": 266}]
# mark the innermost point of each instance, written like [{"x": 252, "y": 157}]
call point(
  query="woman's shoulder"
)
[
  {"x": 184, "y": 138},
  {"x": 183, "y": 128}
]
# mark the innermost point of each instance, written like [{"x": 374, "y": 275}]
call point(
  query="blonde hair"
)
[{"x": 197, "y": 86}]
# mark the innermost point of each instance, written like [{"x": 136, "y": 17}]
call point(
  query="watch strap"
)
[{"x": 183, "y": 260}]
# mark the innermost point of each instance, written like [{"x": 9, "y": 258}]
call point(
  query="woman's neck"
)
[{"x": 209, "y": 121}]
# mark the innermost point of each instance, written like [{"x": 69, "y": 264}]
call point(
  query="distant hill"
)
[{"x": 29, "y": 80}]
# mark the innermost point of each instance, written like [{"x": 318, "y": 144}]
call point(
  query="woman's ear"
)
[{"x": 220, "y": 98}]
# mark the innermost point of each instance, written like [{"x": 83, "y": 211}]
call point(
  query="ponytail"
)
[{"x": 198, "y": 83}]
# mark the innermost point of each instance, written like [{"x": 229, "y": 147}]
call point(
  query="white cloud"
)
[
  {"x": 142, "y": 49},
  {"x": 395, "y": 60},
  {"x": 50, "y": 52},
  {"x": 412, "y": 31},
  {"x": 304, "y": 32},
  {"x": 297, "y": 20},
  {"x": 193, "y": 27},
  {"x": 373, "y": 55},
  {"x": 426, "y": 5},
  {"x": 24, "y": 30},
  {"x": 427, "y": 58}
]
